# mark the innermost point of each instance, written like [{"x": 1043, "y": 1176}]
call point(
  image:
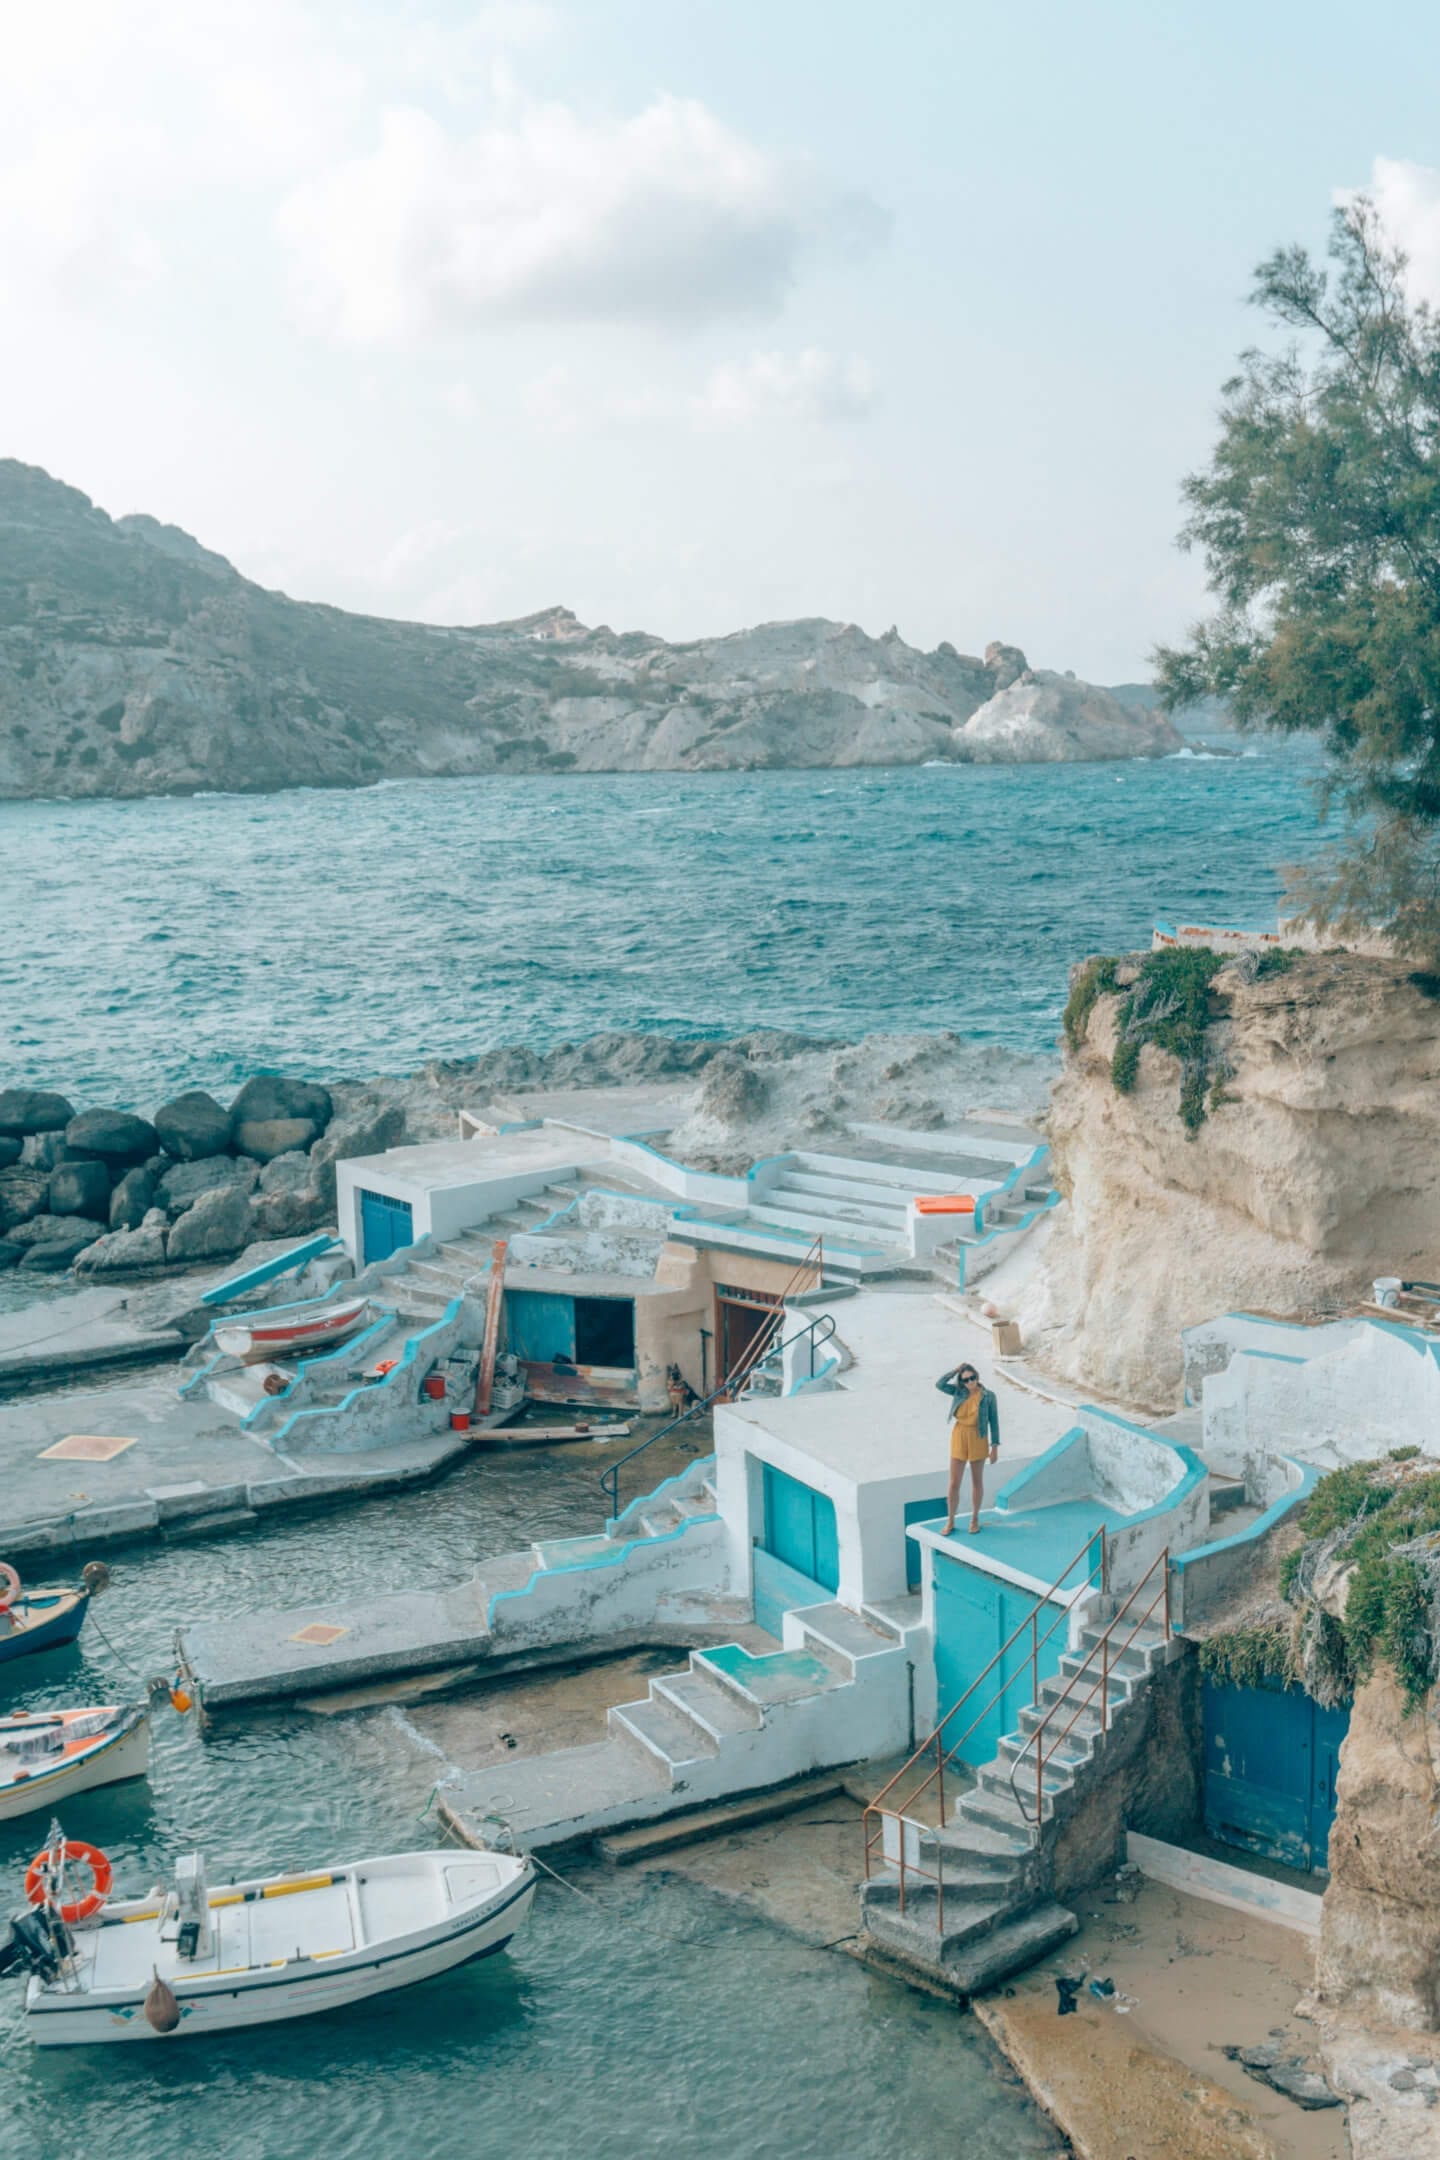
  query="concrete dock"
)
[{"x": 78, "y": 1470}]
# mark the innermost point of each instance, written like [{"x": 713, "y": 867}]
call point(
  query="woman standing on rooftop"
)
[{"x": 974, "y": 1433}]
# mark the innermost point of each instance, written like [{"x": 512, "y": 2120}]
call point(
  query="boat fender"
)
[
  {"x": 39, "y": 1878},
  {"x": 96, "y": 1577},
  {"x": 9, "y": 1586},
  {"x": 162, "y": 2010},
  {"x": 179, "y": 1700}
]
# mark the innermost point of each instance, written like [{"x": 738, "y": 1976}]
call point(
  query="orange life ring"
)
[
  {"x": 103, "y": 1876},
  {"x": 9, "y": 1586}
]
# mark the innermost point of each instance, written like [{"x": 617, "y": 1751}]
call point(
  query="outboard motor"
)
[{"x": 38, "y": 1942}]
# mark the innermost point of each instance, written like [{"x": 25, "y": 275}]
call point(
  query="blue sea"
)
[
  {"x": 153, "y": 945},
  {"x": 162, "y": 944}
]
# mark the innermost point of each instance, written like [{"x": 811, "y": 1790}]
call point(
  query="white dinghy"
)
[
  {"x": 48, "y": 1755},
  {"x": 191, "y": 1960}
]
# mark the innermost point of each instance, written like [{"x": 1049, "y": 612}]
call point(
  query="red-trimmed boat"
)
[{"x": 290, "y": 1334}]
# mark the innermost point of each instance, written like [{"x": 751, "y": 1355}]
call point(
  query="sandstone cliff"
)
[
  {"x": 1317, "y": 1171},
  {"x": 134, "y": 661}
]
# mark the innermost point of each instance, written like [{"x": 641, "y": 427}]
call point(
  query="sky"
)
[{"x": 685, "y": 314}]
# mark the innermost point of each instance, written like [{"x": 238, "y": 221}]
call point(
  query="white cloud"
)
[
  {"x": 666, "y": 217},
  {"x": 807, "y": 386},
  {"x": 1408, "y": 199}
]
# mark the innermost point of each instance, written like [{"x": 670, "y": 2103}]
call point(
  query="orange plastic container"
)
[{"x": 945, "y": 1204}]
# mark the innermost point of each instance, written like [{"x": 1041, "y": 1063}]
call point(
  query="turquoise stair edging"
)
[
  {"x": 615, "y": 1558},
  {"x": 267, "y": 1271},
  {"x": 404, "y": 1363},
  {"x": 702, "y": 1463},
  {"x": 307, "y": 1366}
]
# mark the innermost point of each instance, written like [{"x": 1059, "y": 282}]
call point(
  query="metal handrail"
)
[
  {"x": 761, "y": 1347},
  {"x": 1102, "y": 1650},
  {"x": 943, "y": 1755}
]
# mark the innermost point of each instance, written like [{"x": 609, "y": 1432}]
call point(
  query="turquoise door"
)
[
  {"x": 1271, "y": 1758},
  {"x": 386, "y": 1225},
  {"x": 540, "y": 1326},
  {"x": 974, "y": 1614},
  {"x": 797, "y": 1555}
]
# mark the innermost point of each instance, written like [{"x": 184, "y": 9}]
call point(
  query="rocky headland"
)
[
  {"x": 1314, "y": 1166},
  {"x": 134, "y": 661}
]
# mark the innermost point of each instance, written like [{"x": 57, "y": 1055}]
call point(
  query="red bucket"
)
[
  {"x": 434, "y": 1386},
  {"x": 460, "y": 1421}
]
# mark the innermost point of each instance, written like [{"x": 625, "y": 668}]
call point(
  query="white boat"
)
[
  {"x": 292, "y": 1333},
  {"x": 46, "y": 1755},
  {"x": 192, "y": 1960}
]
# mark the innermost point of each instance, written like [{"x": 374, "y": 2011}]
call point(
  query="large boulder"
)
[
  {"x": 183, "y": 1183},
  {"x": 10, "y": 1255},
  {"x": 53, "y": 1255},
  {"x": 192, "y": 1126},
  {"x": 265, "y": 1138},
  {"x": 117, "y": 1135},
  {"x": 22, "y": 1195},
  {"x": 352, "y": 1134},
  {"x": 132, "y": 1199},
  {"x": 127, "y": 1252},
  {"x": 269, "y": 1096},
  {"x": 79, "y": 1188},
  {"x": 10, "y": 1150},
  {"x": 218, "y": 1224},
  {"x": 33, "y": 1110},
  {"x": 290, "y": 1200},
  {"x": 50, "y": 1229}
]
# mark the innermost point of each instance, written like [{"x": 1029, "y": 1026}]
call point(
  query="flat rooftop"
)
[
  {"x": 441, "y": 1163},
  {"x": 884, "y": 1418}
]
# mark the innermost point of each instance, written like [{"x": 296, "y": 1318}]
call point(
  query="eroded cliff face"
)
[
  {"x": 133, "y": 661},
  {"x": 1379, "y": 1953},
  {"x": 1318, "y": 1171}
]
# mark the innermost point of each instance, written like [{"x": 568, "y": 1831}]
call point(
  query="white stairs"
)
[{"x": 999, "y": 1911}]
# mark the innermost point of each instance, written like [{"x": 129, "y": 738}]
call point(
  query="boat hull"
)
[
  {"x": 304, "y": 1988},
  {"x": 41, "y": 1629},
  {"x": 254, "y": 1342},
  {"x": 111, "y": 1762}
]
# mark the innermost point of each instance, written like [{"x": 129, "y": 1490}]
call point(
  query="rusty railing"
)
[{"x": 906, "y": 1833}]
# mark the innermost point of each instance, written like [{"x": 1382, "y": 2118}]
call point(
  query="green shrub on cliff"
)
[{"x": 1379, "y": 1524}]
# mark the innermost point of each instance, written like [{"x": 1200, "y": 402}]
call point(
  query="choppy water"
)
[
  {"x": 150, "y": 945},
  {"x": 660, "y": 2019}
]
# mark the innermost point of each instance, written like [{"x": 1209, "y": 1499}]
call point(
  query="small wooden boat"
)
[
  {"x": 41, "y": 1620},
  {"x": 194, "y": 1960},
  {"x": 46, "y": 1755},
  {"x": 278, "y": 1335}
]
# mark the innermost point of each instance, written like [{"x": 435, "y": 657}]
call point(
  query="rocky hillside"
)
[
  {"x": 1313, "y": 1166},
  {"x": 133, "y": 661}
]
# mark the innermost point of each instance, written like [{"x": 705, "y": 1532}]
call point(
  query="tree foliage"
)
[{"x": 1319, "y": 520}]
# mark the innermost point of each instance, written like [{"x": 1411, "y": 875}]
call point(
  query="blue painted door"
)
[
  {"x": 385, "y": 1225},
  {"x": 540, "y": 1325},
  {"x": 797, "y": 1556},
  {"x": 1271, "y": 1757},
  {"x": 974, "y": 1614}
]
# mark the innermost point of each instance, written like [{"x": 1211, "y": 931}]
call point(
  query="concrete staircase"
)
[
  {"x": 1000, "y": 1913},
  {"x": 729, "y": 1722}
]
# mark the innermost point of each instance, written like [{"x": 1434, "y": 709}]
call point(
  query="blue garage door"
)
[
  {"x": 385, "y": 1225},
  {"x": 1271, "y": 1759},
  {"x": 797, "y": 1556},
  {"x": 974, "y": 1615},
  {"x": 540, "y": 1326}
]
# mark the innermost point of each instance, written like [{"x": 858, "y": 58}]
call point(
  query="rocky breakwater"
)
[
  {"x": 1231, "y": 1134},
  {"x": 108, "y": 1192}
]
